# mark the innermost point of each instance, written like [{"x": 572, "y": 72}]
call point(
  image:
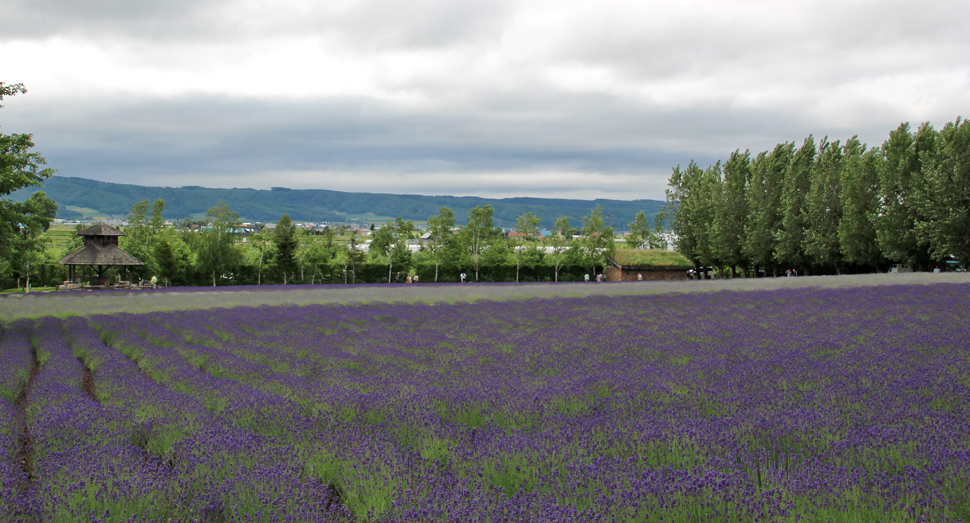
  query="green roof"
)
[{"x": 650, "y": 258}]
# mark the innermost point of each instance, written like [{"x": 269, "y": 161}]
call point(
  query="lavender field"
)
[{"x": 803, "y": 404}]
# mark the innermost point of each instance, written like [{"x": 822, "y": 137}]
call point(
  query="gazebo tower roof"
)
[{"x": 101, "y": 229}]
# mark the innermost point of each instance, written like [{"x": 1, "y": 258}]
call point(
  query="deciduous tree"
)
[
  {"x": 763, "y": 197},
  {"x": 947, "y": 202},
  {"x": 524, "y": 244},
  {"x": 639, "y": 231},
  {"x": 477, "y": 230},
  {"x": 21, "y": 223},
  {"x": 439, "y": 227},
  {"x": 217, "y": 251},
  {"x": 286, "y": 245}
]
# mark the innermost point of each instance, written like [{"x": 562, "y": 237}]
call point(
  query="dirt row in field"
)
[{"x": 86, "y": 303}]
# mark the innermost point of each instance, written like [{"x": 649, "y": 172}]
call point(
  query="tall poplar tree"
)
[
  {"x": 763, "y": 197},
  {"x": 860, "y": 208},
  {"x": 731, "y": 211},
  {"x": 902, "y": 188},
  {"x": 947, "y": 202},
  {"x": 790, "y": 239},
  {"x": 823, "y": 204},
  {"x": 686, "y": 209}
]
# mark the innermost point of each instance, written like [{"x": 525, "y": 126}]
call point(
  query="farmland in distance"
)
[{"x": 802, "y": 404}]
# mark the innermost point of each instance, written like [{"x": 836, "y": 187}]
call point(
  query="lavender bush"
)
[{"x": 791, "y": 405}]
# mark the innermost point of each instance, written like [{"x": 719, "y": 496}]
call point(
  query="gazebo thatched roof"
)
[
  {"x": 97, "y": 254},
  {"x": 101, "y": 229}
]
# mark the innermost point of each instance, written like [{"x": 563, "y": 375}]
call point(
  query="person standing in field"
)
[
  {"x": 415, "y": 278},
  {"x": 154, "y": 281},
  {"x": 463, "y": 277},
  {"x": 586, "y": 277},
  {"x": 639, "y": 277}
]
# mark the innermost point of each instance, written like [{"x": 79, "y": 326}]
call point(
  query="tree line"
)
[
  {"x": 219, "y": 253},
  {"x": 829, "y": 207}
]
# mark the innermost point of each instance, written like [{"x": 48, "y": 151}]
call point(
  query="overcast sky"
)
[{"x": 555, "y": 98}]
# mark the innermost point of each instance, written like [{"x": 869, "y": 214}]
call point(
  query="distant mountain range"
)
[{"x": 79, "y": 198}]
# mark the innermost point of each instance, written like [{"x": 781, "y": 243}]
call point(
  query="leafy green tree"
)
[
  {"x": 10, "y": 90},
  {"x": 902, "y": 189},
  {"x": 763, "y": 196},
  {"x": 28, "y": 252},
  {"x": 137, "y": 237},
  {"x": 495, "y": 252},
  {"x": 639, "y": 231},
  {"x": 524, "y": 244},
  {"x": 382, "y": 245},
  {"x": 560, "y": 243},
  {"x": 217, "y": 251},
  {"x": 286, "y": 245},
  {"x": 477, "y": 230},
  {"x": 709, "y": 196},
  {"x": 690, "y": 215},
  {"x": 168, "y": 264},
  {"x": 316, "y": 256},
  {"x": 156, "y": 223},
  {"x": 790, "y": 239},
  {"x": 22, "y": 223},
  {"x": 860, "y": 207},
  {"x": 401, "y": 252},
  {"x": 352, "y": 256},
  {"x": 390, "y": 241},
  {"x": 440, "y": 227},
  {"x": 823, "y": 204},
  {"x": 731, "y": 211},
  {"x": 260, "y": 242},
  {"x": 946, "y": 205},
  {"x": 597, "y": 242},
  {"x": 658, "y": 239}
]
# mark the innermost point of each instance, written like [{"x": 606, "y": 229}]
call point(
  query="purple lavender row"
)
[
  {"x": 83, "y": 460},
  {"x": 355, "y": 458},
  {"x": 15, "y": 355},
  {"x": 198, "y": 424}
]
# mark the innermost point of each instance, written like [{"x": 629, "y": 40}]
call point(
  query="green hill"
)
[{"x": 79, "y": 197}]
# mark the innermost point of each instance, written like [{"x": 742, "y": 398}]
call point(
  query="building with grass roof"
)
[{"x": 649, "y": 264}]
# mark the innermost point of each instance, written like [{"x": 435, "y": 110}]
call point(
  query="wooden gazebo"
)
[{"x": 100, "y": 250}]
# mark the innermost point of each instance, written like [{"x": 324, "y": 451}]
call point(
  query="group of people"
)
[{"x": 408, "y": 279}]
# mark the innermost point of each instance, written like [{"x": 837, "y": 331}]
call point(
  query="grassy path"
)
[{"x": 76, "y": 303}]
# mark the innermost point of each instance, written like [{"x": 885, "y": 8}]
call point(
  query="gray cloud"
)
[
  {"x": 247, "y": 142},
  {"x": 369, "y": 24},
  {"x": 466, "y": 97}
]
